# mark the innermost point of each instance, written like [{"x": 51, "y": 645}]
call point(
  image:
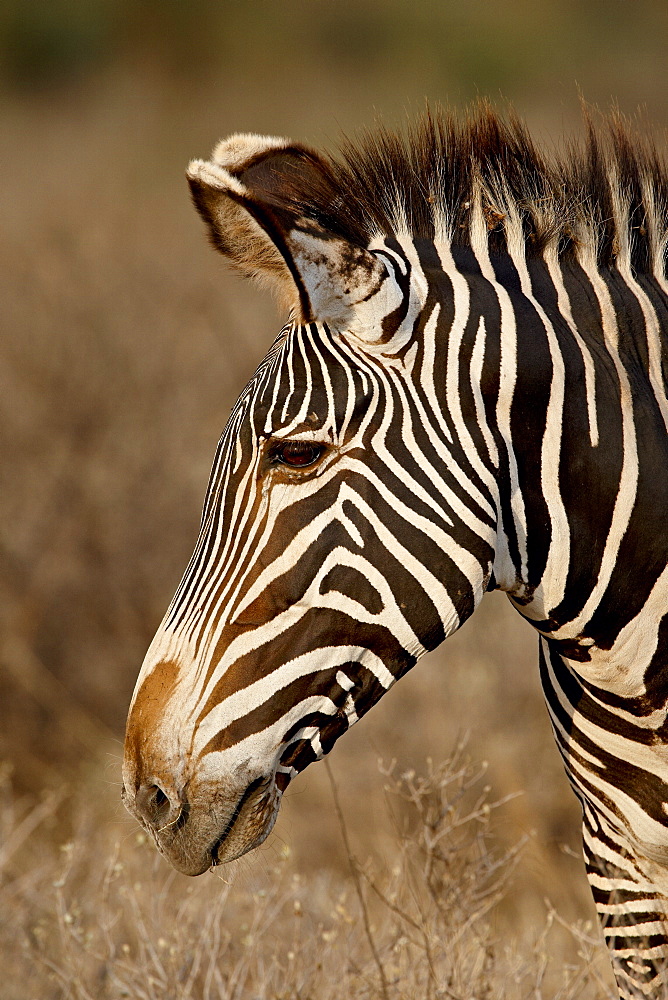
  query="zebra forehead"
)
[{"x": 610, "y": 190}]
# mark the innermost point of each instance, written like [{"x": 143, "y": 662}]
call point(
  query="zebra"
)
[{"x": 469, "y": 394}]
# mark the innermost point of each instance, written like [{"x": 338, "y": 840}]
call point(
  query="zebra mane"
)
[{"x": 605, "y": 196}]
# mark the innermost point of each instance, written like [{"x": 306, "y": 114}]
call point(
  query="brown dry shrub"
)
[{"x": 100, "y": 918}]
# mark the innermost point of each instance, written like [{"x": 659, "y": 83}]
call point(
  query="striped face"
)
[{"x": 326, "y": 565}]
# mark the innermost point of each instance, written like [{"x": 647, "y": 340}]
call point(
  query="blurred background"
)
[{"x": 125, "y": 341}]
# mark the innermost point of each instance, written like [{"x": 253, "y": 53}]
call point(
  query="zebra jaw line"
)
[{"x": 470, "y": 394}]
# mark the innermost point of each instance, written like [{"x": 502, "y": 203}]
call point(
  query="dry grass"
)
[{"x": 100, "y": 918}]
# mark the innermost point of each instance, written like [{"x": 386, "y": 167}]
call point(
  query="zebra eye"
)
[{"x": 298, "y": 454}]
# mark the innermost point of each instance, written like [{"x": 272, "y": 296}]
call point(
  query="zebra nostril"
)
[{"x": 156, "y": 807}]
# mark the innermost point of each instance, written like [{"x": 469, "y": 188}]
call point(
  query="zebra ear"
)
[{"x": 256, "y": 195}]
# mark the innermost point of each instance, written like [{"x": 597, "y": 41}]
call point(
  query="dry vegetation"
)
[
  {"x": 124, "y": 343},
  {"x": 100, "y": 918}
]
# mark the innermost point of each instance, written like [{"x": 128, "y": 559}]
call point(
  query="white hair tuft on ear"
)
[
  {"x": 214, "y": 176},
  {"x": 237, "y": 151}
]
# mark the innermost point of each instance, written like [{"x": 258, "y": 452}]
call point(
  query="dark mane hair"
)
[{"x": 607, "y": 194}]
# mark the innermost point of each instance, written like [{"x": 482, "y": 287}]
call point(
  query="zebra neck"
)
[{"x": 575, "y": 402}]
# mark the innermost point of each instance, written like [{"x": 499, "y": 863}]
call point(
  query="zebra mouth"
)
[{"x": 262, "y": 785}]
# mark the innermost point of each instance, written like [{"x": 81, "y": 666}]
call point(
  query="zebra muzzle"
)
[{"x": 206, "y": 827}]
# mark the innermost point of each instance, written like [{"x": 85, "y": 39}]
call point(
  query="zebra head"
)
[{"x": 350, "y": 521}]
